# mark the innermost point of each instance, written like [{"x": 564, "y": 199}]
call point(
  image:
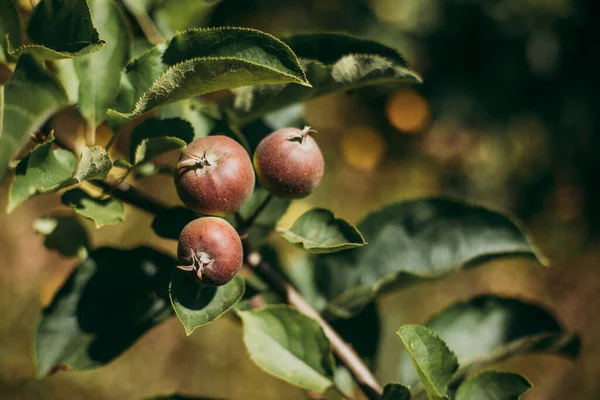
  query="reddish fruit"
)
[
  {"x": 214, "y": 176},
  {"x": 289, "y": 163},
  {"x": 211, "y": 250}
]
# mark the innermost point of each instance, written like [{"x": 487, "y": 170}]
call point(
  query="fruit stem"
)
[
  {"x": 246, "y": 225},
  {"x": 302, "y": 134},
  {"x": 346, "y": 354}
]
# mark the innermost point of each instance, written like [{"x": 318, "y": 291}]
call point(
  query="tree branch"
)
[
  {"x": 345, "y": 353},
  {"x": 129, "y": 194}
]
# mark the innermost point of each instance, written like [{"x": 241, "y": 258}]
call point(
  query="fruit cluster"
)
[{"x": 215, "y": 177}]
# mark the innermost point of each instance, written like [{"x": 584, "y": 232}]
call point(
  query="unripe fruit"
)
[
  {"x": 214, "y": 176},
  {"x": 211, "y": 250},
  {"x": 289, "y": 163}
]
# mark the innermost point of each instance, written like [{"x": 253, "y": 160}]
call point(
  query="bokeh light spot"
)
[
  {"x": 363, "y": 147},
  {"x": 407, "y": 111}
]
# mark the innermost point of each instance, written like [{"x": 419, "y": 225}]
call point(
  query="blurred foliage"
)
[{"x": 506, "y": 115}]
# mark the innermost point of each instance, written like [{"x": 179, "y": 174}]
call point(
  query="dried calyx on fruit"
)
[
  {"x": 210, "y": 249},
  {"x": 289, "y": 163},
  {"x": 214, "y": 176}
]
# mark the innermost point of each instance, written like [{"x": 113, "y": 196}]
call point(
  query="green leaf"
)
[
  {"x": 109, "y": 301},
  {"x": 332, "y": 62},
  {"x": 493, "y": 385},
  {"x": 431, "y": 357},
  {"x": 43, "y": 171},
  {"x": 395, "y": 391},
  {"x": 198, "y": 305},
  {"x": 211, "y": 59},
  {"x": 319, "y": 231},
  {"x": 154, "y": 137},
  {"x": 30, "y": 97},
  {"x": 9, "y": 26},
  {"x": 169, "y": 223},
  {"x": 100, "y": 73},
  {"x": 61, "y": 29},
  {"x": 94, "y": 164},
  {"x": 413, "y": 241},
  {"x": 102, "y": 211},
  {"x": 489, "y": 329},
  {"x": 138, "y": 78},
  {"x": 63, "y": 234},
  {"x": 290, "y": 346}
]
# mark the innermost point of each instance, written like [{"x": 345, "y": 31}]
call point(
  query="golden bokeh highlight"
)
[
  {"x": 407, "y": 111},
  {"x": 363, "y": 147}
]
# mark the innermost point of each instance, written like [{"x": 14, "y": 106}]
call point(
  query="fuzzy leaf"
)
[
  {"x": 43, "y": 171},
  {"x": 30, "y": 97},
  {"x": 395, "y": 391},
  {"x": 94, "y": 164},
  {"x": 101, "y": 211},
  {"x": 61, "y": 29},
  {"x": 197, "y": 305},
  {"x": 290, "y": 346},
  {"x": 489, "y": 329},
  {"x": 109, "y": 301},
  {"x": 332, "y": 62},
  {"x": 414, "y": 241},
  {"x": 154, "y": 137},
  {"x": 100, "y": 73},
  {"x": 9, "y": 26},
  {"x": 206, "y": 60},
  {"x": 431, "y": 357},
  {"x": 319, "y": 231},
  {"x": 493, "y": 385}
]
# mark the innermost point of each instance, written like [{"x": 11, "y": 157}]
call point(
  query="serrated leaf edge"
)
[
  {"x": 235, "y": 28},
  {"x": 139, "y": 107},
  {"x": 434, "y": 334},
  {"x": 89, "y": 49}
]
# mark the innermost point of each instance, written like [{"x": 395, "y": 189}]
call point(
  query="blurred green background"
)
[{"x": 507, "y": 115}]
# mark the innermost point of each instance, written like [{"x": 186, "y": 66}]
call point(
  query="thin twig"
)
[
  {"x": 129, "y": 194},
  {"x": 146, "y": 25},
  {"x": 249, "y": 222},
  {"x": 111, "y": 141},
  {"x": 346, "y": 354},
  {"x": 361, "y": 373}
]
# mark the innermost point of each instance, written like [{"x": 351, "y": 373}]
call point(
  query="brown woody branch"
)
[{"x": 345, "y": 353}]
